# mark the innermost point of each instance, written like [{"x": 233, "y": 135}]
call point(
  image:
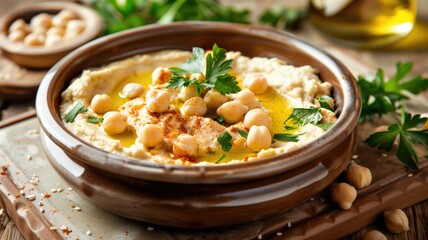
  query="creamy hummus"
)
[{"x": 289, "y": 87}]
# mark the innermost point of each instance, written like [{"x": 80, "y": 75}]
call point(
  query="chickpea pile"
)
[{"x": 47, "y": 30}]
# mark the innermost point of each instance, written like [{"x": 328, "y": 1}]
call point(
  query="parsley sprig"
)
[
  {"x": 380, "y": 97},
  {"x": 76, "y": 110},
  {"x": 216, "y": 75}
]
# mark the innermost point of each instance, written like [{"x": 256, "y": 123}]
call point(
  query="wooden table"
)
[{"x": 386, "y": 59}]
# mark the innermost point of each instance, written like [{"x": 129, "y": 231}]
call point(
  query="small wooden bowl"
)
[{"x": 45, "y": 57}]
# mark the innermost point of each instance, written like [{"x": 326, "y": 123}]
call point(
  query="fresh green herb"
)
[
  {"x": 284, "y": 18},
  {"x": 285, "y": 137},
  {"x": 224, "y": 141},
  {"x": 216, "y": 74},
  {"x": 223, "y": 156},
  {"x": 408, "y": 133},
  {"x": 243, "y": 133},
  {"x": 326, "y": 126},
  {"x": 380, "y": 97},
  {"x": 219, "y": 119},
  {"x": 77, "y": 109},
  {"x": 119, "y": 15},
  {"x": 302, "y": 116},
  {"x": 324, "y": 102},
  {"x": 92, "y": 119}
]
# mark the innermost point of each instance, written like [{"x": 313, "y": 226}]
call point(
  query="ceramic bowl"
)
[
  {"x": 199, "y": 196},
  {"x": 46, "y": 57}
]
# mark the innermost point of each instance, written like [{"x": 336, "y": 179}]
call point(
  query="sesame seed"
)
[
  {"x": 31, "y": 197},
  {"x": 354, "y": 157},
  {"x": 279, "y": 234},
  {"x": 384, "y": 155},
  {"x": 312, "y": 199},
  {"x": 1, "y": 212},
  {"x": 70, "y": 189},
  {"x": 42, "y": 210},
  {"x": 60, "y": 189},
  {"x": 34, "y": 175},
  {"x": 88, "y": 233},
  {"x": 77, "y": 208},
  {"x": 29, "y": 157},
  {"x": 21, "y": 192},
  {"x": 259, "y": 237},
  {"x": 150, "y": 228},
  {"x": 289, "y": 224},
  {"x": 41, "y": 203},
  {"x": 410, "y": 175},
  {"x": 63, "y": 227},
  {"x": 53, "y": 190},
  {"x": 53, "y": 228}
]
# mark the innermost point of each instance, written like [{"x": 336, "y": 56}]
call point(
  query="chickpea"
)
[
  {"x": 115, "y": 123},
  {"x": 194, "y": 107},
  {"x": 214, "y": 99},
  {"x": 41, "y": 20},
  {"x": 374, "y": 235},
  {"x": 396, "y": 221},
  {"x": 343, "y": 194},
  {"x": 150, "y": 135},
  {"x": 185, "y": 145},
  {"x": 40, "y": 30},
  {"x": 102, "y": 103},
  {"x": 247, "y": 98},
  {"x": 187, "y": 92},
  {"x": 70, "y": 34},
  {"x": 258, "y": 138},
  {"x": 157, "y": 101},
  {"x": 20, "y": 25},
  {"x": 33, "y": 40},
  {"x": 53, "y": 39},
  {"x": 232, "y": 111},
  {"x": 327, "y": 116},
  {"x": 76, "y": 26},
  {"x": 161, "y": 75},
  {"x": 132, "y": 90},
  {"x": 60, "y": 21},
  {"x": 257, "y": 83},
  {"x": 358, "y": 176},
  {"x": 17, "y": 36},
  {"x": 68, "y": 14},
  {"x": 197, "y": 76},
  {"x": 56, "y": 30},
  {"x": 257, "y": 117}
]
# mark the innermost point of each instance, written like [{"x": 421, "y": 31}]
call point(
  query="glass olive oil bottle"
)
[{"x": 364, "y": 23}]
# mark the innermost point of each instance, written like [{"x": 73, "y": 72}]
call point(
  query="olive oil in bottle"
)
[{"x": 364, "y": 23}]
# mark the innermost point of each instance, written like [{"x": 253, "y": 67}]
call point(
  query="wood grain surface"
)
[{"x": 417, "y": 214}]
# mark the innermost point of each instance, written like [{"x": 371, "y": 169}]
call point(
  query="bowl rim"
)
[
  {"x": 52, "y": 125},
  {"x": 93, "y": 27}
]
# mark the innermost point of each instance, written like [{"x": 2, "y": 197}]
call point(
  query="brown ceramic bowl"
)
[
  {"x": 45, "y": 57},
  {"x": 199, "y": 196}
]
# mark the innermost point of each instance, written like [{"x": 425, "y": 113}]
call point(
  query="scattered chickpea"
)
[
  {"x": 232, "y": 111},
  {"x": 259, "y": 138},
  {"x": 33, "y": 39},
  {"x": 374, "y": 235},
  {"x": 247, "y": 98},
  {"x": 185, "y": 145},
  {"x": 187, "y": 92},
  {"x": 157, "y": 101},
  {"x": 257, "y": 83},
  {"x": 17, "y": 36},
  {"x": 194, "y": 107},
  {"x": 150, "y": 135},
  {"x": 358, "y": 176},
  {"x": 327, "y": 116},
  {"x": 343, "y": 194},
  {"x": 214, "y": 99},
  {"x": 41, "y": 20},
  {"x": 102, "y": 103},
  {"x": 161, "y": 75},
  {"x": 132, "y": 90},
  {"x": 115, "y": 123},
  {"x": 257, "y": 117},
  {"x": 396, "y": 221}
]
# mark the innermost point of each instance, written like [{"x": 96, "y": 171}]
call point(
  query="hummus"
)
[{"x": 185, "y": 133}]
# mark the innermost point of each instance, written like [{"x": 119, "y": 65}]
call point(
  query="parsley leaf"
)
[
  {"x": 285, "y": 18},
  {"x": 223, "y": 156},
  {"x": 405, "y": 152},
  {"x": 219, "y": 119},
  {"x": 285, "y": 137},
  {"x": 380, "y": 97},
  {"x": 324, "y": 102},
  {"x": 224, "y": 140},
  {"x": 243, "y": 133},
  {"x": 77, "y": 109},
  {"x": 303, "y": 116},
  {"x": 326, "y": 126},
  {"x": 216, "y": 72},
  {"x": 92, "y": 119}
]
